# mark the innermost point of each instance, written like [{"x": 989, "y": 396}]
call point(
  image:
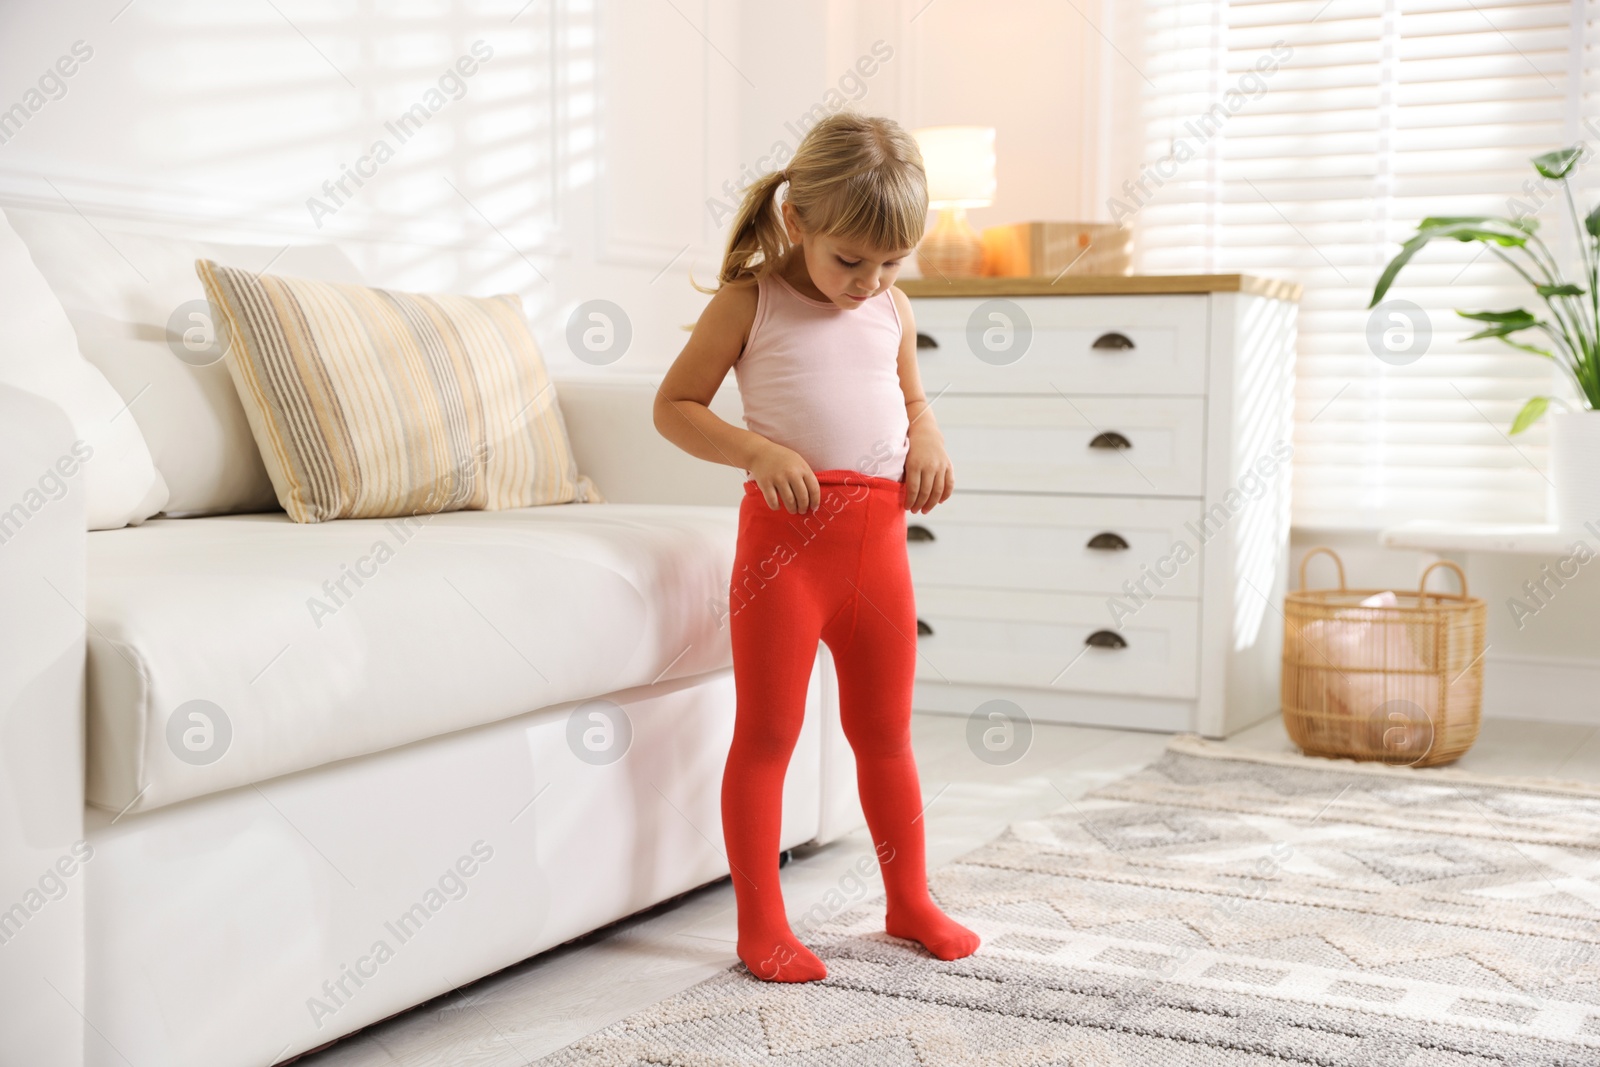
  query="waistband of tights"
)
[{"x": 842, "y": 477}]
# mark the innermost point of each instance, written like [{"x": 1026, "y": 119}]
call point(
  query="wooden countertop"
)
[{"x": 1103, "y": 285}]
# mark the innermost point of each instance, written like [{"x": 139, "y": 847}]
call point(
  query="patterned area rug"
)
[{"x": 1217, "y": 907}]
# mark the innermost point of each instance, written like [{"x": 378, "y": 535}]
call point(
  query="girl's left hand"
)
[{"x": 930, "y": 478}]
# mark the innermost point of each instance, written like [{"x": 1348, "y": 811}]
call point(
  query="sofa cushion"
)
[
  {"x": 228, "y": 650},
  {"x": 370, "y": 403},
  {"x": 140, "y": 315},
  {"x": 39, "y": 354}
]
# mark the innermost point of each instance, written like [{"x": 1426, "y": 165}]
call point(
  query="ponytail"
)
[{"x": 758, "y": 237}]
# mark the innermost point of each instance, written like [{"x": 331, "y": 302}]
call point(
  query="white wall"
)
[
  {"x": 571, "y": 167},
  {"x": 589, "y": 158}
]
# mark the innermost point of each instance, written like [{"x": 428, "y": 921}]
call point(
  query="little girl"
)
[{"x": 841, "y": 442}]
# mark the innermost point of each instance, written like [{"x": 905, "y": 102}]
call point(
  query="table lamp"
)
[{"x": 959, "y": 161}]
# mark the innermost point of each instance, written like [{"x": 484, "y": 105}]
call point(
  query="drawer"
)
[
  {"x": 1074, "y": 444},
  {"x": 1088, "y": 544},
  {"x": 1038, "y": 640},
  {"x": 1094, "y": 345}
]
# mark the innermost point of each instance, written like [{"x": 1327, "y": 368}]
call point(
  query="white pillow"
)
[
  {"x": 140, "y": 314},
  {"x": 39, "y": 353}
]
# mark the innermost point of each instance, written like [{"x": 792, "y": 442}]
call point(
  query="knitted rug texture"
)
[{"x": 1217, "y": 907}]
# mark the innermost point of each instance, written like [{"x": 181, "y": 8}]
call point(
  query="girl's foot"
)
[
  {"x": 936, "y": 931},
  {"x": 781, "y": 959}
]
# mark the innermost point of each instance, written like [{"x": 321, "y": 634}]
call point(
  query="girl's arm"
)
[
  {"x": 683, "y": 415},
  {"x": 930, "y": 479}
]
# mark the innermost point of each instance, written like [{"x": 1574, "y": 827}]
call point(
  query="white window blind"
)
[{"x": 1351, "y": 121}]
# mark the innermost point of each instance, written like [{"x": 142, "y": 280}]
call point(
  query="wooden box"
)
[{"x": 1046, "y": 249}]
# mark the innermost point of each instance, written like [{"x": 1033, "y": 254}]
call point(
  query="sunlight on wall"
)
[{"x": 422, "y": 136}]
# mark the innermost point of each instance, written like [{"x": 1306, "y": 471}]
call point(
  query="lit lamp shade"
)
[{"x": 959, "y": 161}]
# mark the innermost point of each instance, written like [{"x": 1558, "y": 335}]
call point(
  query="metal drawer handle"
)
[
  {"x": 918, "y": 532},
  {"x": 1113, "y": 342},
  {"x": 1110, "y": 439},
  {"x": 1105, "y": 639},
  {"x": 925, "y": 341},
  {"x": 923, "y": 629},
  {"x": 1108, "y": 541}
]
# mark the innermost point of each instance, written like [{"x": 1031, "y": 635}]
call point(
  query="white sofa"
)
[{"x": 415, "y": 788}]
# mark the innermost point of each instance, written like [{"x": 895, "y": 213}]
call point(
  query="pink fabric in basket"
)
[{"x": 1362, "y": 651}]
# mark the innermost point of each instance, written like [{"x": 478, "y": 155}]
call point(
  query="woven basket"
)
[{"x": 1401, "y": 684}]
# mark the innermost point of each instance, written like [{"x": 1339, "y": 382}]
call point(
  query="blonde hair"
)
[{"x": 854, "y": 177}]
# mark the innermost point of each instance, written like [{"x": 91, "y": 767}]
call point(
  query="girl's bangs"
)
[{"x": 887, "y": 212}]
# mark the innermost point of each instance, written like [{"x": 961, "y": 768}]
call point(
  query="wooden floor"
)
[{"x": 536, "y": 1007}]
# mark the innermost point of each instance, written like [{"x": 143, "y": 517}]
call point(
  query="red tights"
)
[{"x": 838, "y": 573}]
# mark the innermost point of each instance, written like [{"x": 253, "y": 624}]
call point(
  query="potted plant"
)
[{"x": 1564, "y": 330}]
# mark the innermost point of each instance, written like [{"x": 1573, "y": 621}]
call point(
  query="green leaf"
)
[
  {"x": 1493, "y": 331},
  {"x": 1592, "y": 223},
  {"x": 1530, "y": 349},
  {"x": 1386, "y": 279},
  {"x": 1500, "y": 331},
  {"x": 1505, "y": 323},
  {"x": 1530, "y": 413},
  {"x": 1505, "y": 237},
  {"x": 1527, "y": 318},
  {"x": 1508, "y": 233},
  {"x": 1559, "y": 290},
  {"x": 1524, "y": 226},
  {"x": 1555, "y": 165}
]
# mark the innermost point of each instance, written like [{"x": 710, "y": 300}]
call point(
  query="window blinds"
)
[{"x": 1305, "y": 139}]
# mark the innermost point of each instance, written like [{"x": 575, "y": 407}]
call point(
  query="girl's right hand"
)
[{"x": 785, "y": 479}]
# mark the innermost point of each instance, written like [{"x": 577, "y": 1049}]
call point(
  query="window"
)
[{"x": 1306, "y": 140}]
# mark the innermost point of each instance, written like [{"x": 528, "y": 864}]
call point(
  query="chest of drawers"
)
[{"x": 1116, "y": 549}]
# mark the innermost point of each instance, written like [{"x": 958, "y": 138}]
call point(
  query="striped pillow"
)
[{"x": 368, "y": 403}]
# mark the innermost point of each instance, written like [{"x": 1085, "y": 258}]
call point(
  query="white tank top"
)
[{"x": 825, "y": 381}]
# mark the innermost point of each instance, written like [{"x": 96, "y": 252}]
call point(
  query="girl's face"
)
[{"x": 847, "y": 272}]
